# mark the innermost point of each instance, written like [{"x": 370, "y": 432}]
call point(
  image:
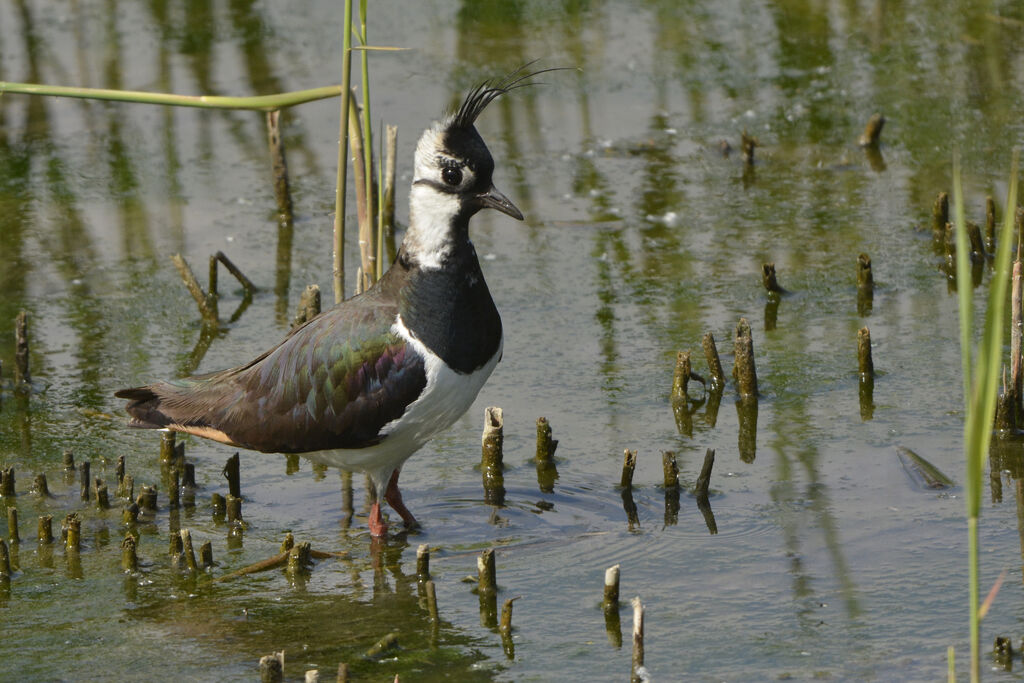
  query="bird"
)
[{"x": 365, "y": 384}]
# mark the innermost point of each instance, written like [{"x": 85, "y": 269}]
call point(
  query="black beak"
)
[{"x": 493, "y": 199}]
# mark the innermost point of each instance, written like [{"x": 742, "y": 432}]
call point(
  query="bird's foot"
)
[
  {"x": 378, "y": 527},
  {"x": 394, "y": 498}
]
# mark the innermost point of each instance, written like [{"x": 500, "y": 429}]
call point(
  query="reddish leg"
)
[
  {"x": 378, "y": 527},
  {"x": 394, "y": 498}
]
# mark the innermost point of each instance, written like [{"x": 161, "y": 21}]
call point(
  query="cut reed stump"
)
[
  {"x": 12, "y": 526},
  {"x": 102, "y": 496},
  {"x": 487, "y": 581},
  {"x": 547, "y": 471},
  {"x": 147, "y": 500},
  {"x": 743, "y": 370},
  {"x": 681, "y": 377},
  {"x": 84, "y": 482},
  {"x": 7, "y": 482},
  {"x": 72, "y": 532},
  {"x": 309, "y": 305},
  {"x": 770, "y": 280},
  {"x": 40, "y": 486},
  {"x": 748, "y": 144},
  {"x": 865, "y": 285},
  {"x": 129, "y": 556},
  {"x": 491, "y": 465},
  {"x": 5, "y": 564},
  {"x": 232, "y": 473},
  {"x": 505, "y": 629},
  {"x": 872, "y": 131},
  {"x": 611, "y": 589},
  {"x": 68, "y": 460},
  {"x": 714, "y": 362},
  {"x": 272, "y": 668},
  {"x": 671, "y": 481},
  {"x": 219, "y": 506},
  {"x": 44, "y": 530},
  {"x": 940, "y": 216},
  {"x": 21, "y": 372},
  {"x": 167, "y": 443},
  {"x": 636, "y": 675},
  {"x": 383, "y": 647},
  {"x": 865, "y": 365},
  {"x": 628, "y": 467},
  {"x": 423, "y": 562}
]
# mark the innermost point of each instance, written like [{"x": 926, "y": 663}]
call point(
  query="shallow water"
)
[{"x": 640, "y": 236}]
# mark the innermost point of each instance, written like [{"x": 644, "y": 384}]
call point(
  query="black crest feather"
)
[{"x": 482, "y": 95}]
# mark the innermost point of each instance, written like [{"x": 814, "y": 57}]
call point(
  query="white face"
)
[{"x": 435, "y": 200}]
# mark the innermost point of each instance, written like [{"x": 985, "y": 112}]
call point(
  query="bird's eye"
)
[{"x": 452, "y": 175}]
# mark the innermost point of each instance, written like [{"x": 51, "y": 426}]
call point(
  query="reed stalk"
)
[
  {"x": 263, "y": 103},
  {"x": 339, "y": 192},
  {"x": 981, "y": 382}
]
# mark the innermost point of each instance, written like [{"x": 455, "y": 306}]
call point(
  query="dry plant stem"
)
[
  {"x": 365, "y": 200},
  {"x": 147, "y": 499},
  {"x": 486, "y": 572},
  {"x": 343, "y": 673},
  {"x": 977, "y": 243},
  {"x": 68, "y": 459},
  {"x": 12, "y": 526},
  {"x": 279, "y": 164},
  {"x": 390, "y": 154},
  {"x": 638, "y": 640},
  {"x": 129, "y": 555},
  {"x": 611, "y": 589},
  {"x": 299, "y": 558},
  {"x": 130, "y": 514},
  {"x": 743, "y": 370},
  {"x": 232, "y": 472},
  {"x": 41, "y": 488},
  {"x": 628, "y": 467},
  {"x": 272, "y": 668},
  {"x": 865, "y": 365},
  {"x": 704, "y": 479},
  {"x": 44, "y": 531},
  {"x": 207, "y": 304},
  {"x": 278, "y": 560},
  {"x": 246, "y": 283},
  {"x": 681, "y": 376},
  {"x": 21, "y": 373},
  {"x": 312, "y": 676},
  {"x": 423, "y": 562},
  {"x": 872, "y": 131}
]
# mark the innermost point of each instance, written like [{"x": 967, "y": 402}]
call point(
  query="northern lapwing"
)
[{"x": 365, "y": 384}]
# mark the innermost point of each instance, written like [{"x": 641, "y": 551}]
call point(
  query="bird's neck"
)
[{"x": 438, "y": 228}]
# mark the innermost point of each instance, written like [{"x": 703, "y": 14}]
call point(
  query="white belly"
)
[{"x": 445, "y": 398}]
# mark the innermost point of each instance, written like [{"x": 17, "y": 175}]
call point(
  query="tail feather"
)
[{"x": 144, "y": 408}]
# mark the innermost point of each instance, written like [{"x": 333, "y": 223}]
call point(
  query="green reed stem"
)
[
  {"x": 980, "y": 389},
  {"x": 258, "y": 103},
  {"x": 369, "y": 268},
  {"x": 339, "y": 192}
]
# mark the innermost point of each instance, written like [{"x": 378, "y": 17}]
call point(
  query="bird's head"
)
[{"x": 452, "y": 176}]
